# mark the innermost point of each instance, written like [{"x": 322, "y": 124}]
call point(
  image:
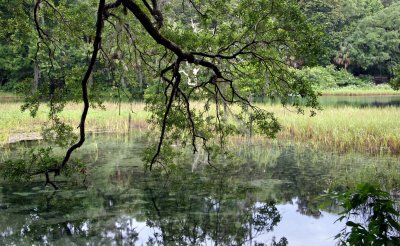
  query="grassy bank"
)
[
  {"x": 365, "y": 130},
  {"x": 7, "y": 94},
  {"x": 15, "y": 125}
]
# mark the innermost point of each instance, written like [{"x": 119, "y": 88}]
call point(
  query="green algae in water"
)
[{"x": 264, "y": 192}]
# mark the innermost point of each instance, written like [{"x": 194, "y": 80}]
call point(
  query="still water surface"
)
[
  {"x": 361, "y": 101},
  {"x": 325, "y": 101},
  {"x": 353, "y": 101},
  {"x": 260, "y": 194}
]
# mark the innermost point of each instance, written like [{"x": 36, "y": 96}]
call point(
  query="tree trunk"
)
[
  {"x": 250, "y": 119},
  {"x": 266, "y": 86},
  {"x": 90, "y": 81},
  {"x": 36, "y": 77}
]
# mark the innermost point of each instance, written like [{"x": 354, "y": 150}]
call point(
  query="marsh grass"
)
[
  {"x": 373, "y": 131},
  {"x": 15, "y": 124},
  {"x": 7, "y": 94},
  {"x": 366, "y": 130}
]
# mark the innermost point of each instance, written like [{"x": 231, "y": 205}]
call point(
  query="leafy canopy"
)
[
  {"x": 197, "y": 63},
  {"x": 375, "y": 42}
]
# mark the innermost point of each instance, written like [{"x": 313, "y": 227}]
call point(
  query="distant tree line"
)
[{"x": 362, "y": 36}]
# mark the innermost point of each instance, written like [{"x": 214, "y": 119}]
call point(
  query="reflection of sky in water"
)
[
  {"x": 297, "y": 228},
  {"x": 130, "y": 224},
  {"x": 305, "y": 230}
]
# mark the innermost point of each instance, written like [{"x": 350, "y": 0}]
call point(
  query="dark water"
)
[
  {"x": 352, "y": 101},
  {"x": 254, "y": 196},
  {"x": 360, "y": 101}
]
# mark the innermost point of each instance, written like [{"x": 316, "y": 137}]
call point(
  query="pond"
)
[
  {"x": 361, "y": 101},
  {"x": 262, "y": 193},
  {"x": 353, "y": 101},
  {"x": 336, "y": 101}
]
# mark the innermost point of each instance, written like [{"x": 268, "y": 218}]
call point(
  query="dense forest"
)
[
  {"x": 359, "y": 40},
  {"x": 362, "y": 38}
]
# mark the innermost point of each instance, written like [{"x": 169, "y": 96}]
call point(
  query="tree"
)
[
  {"x": 16, "y": 44},
  {"x": 187, "y": 50},
  {"x": 336, "y": 19},
  {"x": 374, "y": 45}
]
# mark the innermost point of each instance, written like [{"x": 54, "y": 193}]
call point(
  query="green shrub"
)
[
  {"x": 395, "y": 81},
  {"x": 374, "y": 217},
  {"x": 329, "y": 78}
]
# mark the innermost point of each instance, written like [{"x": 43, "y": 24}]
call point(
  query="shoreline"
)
[
  {"x": 372, "y": 131},
  {"x": 368, "y": 91},
  {"x": 358, "y": 94}
]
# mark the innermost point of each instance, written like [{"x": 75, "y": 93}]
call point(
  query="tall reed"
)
[{"x": 365, "y": 130}]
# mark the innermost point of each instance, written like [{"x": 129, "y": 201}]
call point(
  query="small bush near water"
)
[
  {"x": 330, "y": 78},
  {"x": 371, "y": 217}
]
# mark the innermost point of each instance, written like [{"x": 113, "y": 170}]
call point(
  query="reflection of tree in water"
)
[
  {"x": 303, "y": 181},
  {"x": 70, "y": 217},
  {"x": 182, "y": 208},
  {"x": 187, "y": 208}
]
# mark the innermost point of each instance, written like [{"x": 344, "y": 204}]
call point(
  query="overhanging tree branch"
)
[
  {"x": 177, "y": 78},
  {"x": 218, "y": 63},
  {"x": 96, "y": 47},
  {"x": 197, "y": 58}
]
